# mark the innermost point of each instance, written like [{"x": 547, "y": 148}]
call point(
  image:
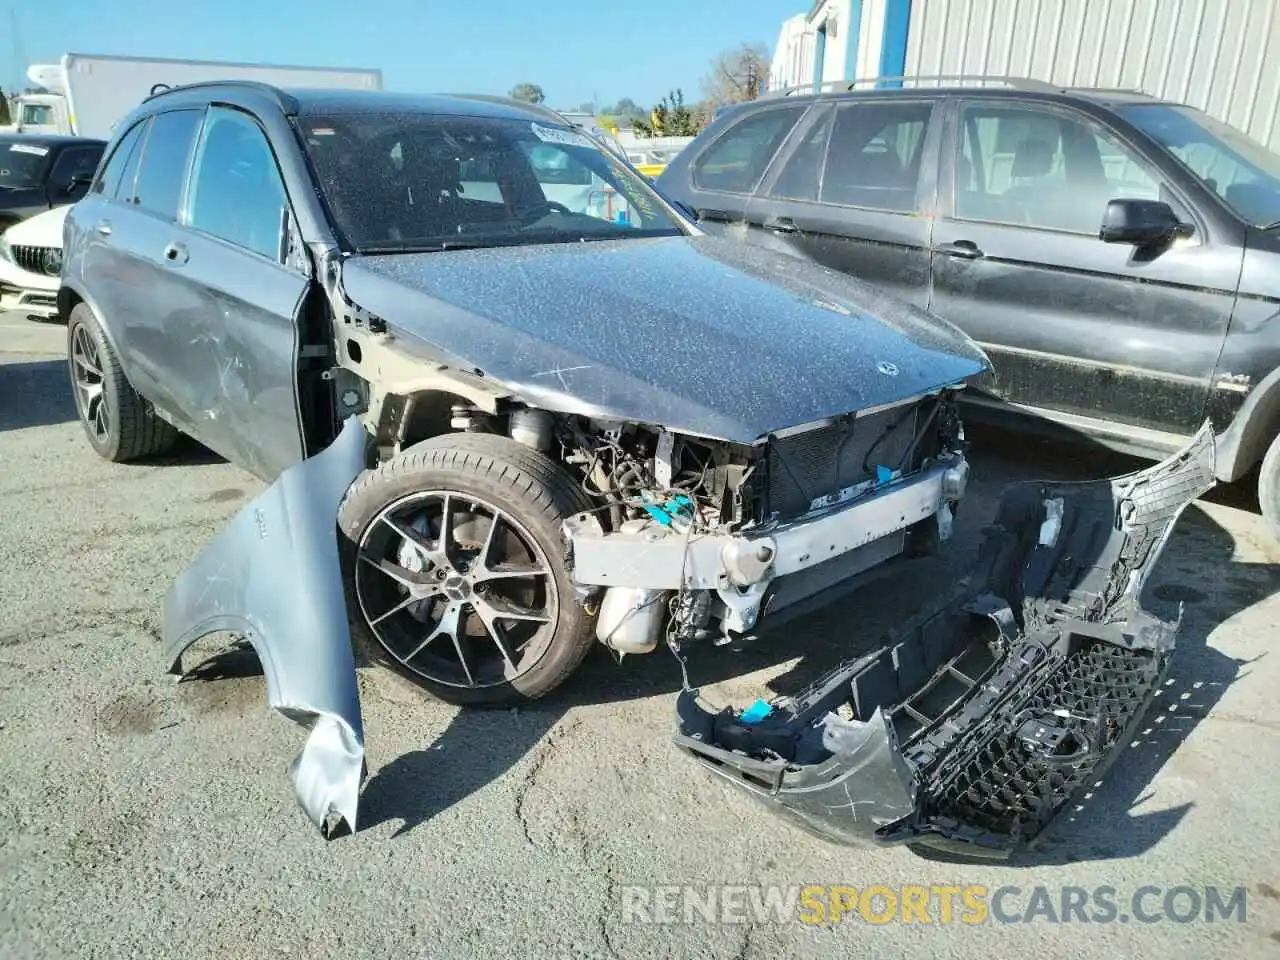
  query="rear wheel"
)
[
  {"x": 119, "y": 423},
  {"x": 1269, "y": 489},
  {"x": 456, "y": 568}
]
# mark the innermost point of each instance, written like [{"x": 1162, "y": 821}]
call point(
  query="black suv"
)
[
  {"x": 1117, "y": 255},
  {"x": 38, "y": 173}
]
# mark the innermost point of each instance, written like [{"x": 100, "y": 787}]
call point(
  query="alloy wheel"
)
[{"x": 456, "y": 589}]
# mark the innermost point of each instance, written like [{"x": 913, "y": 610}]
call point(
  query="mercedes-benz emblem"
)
[
  {"x": 51, "y": 261},
  {"x": 887, "y": 368}
]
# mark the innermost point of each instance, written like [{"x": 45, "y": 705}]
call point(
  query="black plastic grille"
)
[
  {"x": 805, "y": 466},
  {"x": 37, "y": 259},
  {"x": 1007, "y": 787}
]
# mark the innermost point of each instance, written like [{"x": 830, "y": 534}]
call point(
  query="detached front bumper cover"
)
[
  {"x": 970, "y": 729},
  {"x": 274, "y": 575}
]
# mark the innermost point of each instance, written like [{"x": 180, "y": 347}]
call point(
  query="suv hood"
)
[
  {"x": 697, "y": 334},
  {"x": 42, "y": 230}
]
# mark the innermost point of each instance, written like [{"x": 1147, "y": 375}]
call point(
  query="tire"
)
[
  {"x": 535, "y": 494},
  {"x": 118, "y": 422},
  {"x": 1269, "y": 489}
]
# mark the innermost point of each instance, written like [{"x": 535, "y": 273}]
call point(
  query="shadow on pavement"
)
[{"x": 35, "y": 393}]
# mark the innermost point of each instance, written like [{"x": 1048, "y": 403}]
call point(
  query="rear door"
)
[
  {"x": 106, "y": 270},
  {"x": 725, "y": 173},
  {"x": 1087, "y": 331},
  {"x": 140, "y": 227},
  {"x": 856, "y": 192},
  {"x": 235, "y": 282}
]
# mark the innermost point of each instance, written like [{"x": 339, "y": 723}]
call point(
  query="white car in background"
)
[{"x": 31, "y": 264}]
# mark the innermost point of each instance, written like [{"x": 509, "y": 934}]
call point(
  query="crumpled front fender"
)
[{"x": 273, "y": 574}]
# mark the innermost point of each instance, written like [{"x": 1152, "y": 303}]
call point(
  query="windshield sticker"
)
[
  {"x": 30, "y": 148},
  {"x": 566, "y": 137}
]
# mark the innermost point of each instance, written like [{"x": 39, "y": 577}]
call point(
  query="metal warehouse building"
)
[{"x": 1220, "y": 55}]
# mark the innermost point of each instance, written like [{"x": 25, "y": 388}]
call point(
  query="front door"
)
[
  {"x": 1084, "y": 330},
  {"x": 231, "y": 334},
  {"x": 856, "y": 193}
]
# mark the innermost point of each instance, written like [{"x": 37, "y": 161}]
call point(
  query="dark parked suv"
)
[
  {"x": 38, "y": 173},
  {"x": 1118, "y": 256}
]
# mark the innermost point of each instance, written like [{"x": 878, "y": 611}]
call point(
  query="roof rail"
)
[
  {"x": 286, "y": 102},
  {"x": 957, "y": 79}
]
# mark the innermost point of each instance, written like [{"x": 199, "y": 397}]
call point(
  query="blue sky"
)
[{"x": 575, "y": 50}]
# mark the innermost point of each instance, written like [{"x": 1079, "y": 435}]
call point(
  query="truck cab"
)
[{"x": 41, "y": 113}]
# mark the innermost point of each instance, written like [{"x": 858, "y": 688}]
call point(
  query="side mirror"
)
[
  {"x": 77, "y": 181},
  {"x": 1142, "y": 223}
]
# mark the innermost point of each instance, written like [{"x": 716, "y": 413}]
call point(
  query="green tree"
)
[
  {"x": 670, "y": 118},
  {"x": 528, "y": 92},
  {"x": 5, "y": 118}
]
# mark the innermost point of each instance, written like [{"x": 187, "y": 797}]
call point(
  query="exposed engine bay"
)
[
  {"x": 973, "y": 727},
  {"x": 695, "y": 539}
]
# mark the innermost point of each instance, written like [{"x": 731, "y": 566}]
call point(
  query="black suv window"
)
[
  {"x": 737, "y": 160},
  {"x": 165, "y": 156},
  {"x": 122, "y": 165},
  {"x": 237, "y": 192},
  {"x": 873, "y": 159},
  {"x": 1044, "y": 168},
  {"x": 800, "y": 174},
  {"x": 72, "y": 163}
]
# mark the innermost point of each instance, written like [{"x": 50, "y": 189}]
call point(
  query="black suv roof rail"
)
[
  {"x": 287, "y": 103},
  {"x": 847, "y": 86}
]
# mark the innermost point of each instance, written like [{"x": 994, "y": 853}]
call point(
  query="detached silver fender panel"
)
[{"x": 274, "y": 575}]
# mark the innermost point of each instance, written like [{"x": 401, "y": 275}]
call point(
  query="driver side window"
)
[
  {"x": 1044, "y": 169},
  {"x": 237, "y": 193}
]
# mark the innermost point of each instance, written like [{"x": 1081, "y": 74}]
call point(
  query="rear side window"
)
[
  {"x": 873, "y": 159},
  {"x": 123, "y": 163},
  {"x": 165, "y": 157},
  {"x": 237, "y": 193},
  {"x": 736, "y": 162},
  {"x": 799, "y": 177}
]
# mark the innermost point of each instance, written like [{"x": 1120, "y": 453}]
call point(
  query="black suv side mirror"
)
[
  {"x": 77, "y": 181},
  {"x": 1143, "y": 223}
]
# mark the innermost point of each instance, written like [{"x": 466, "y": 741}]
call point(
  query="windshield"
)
[
  {"x": 400, "y": 182},
  {"x": 22, "y": 164},
  {"x": 1232, "y": 164}
]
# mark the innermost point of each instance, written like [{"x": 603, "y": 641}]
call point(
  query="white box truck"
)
[{"x": 87, "y": 94}]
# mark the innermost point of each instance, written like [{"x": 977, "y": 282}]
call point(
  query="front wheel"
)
[
  {"x": 1269, "y": 489},
  {"x": 456, "y": 568}
]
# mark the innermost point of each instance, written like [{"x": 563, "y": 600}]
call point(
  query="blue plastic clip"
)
[{"x": 756, "y": 712}]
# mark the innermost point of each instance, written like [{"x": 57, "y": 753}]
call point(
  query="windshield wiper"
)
[
  {"x": 1270, "y": 226},
  {"x": 426, "y": 247}
]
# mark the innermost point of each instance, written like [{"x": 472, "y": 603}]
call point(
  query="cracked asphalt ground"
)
[{"x": 140, "y": 816}]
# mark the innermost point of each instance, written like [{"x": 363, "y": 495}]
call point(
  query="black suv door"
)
[
  {"x": 855, "y": 191},
  {"x": 725, "y": 173},
  {"x": 1087, "y": 330}
]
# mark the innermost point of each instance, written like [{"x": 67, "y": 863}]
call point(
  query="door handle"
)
[
  {"x": 964, "y": 249},
  {"x": 103, "y": 228},
  {"x": 780, "y": 225},
  {"x": 176, "y": 253}
]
